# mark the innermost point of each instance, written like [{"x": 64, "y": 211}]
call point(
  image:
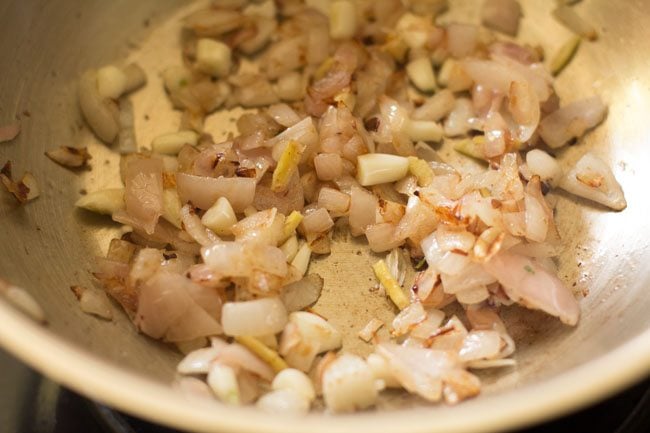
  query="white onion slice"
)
[{"x": 254, "y": 318}]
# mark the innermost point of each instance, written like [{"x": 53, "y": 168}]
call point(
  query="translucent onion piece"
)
[{"x": 592, "y": 179}]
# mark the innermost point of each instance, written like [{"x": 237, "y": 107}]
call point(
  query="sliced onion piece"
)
[
  {"x": 527, "y": 281},
  {"x": 571, "y": 121},
  {"x": 592, "y": 179},
  {"x": 203, "y": 192},
  {"x": 303, "y": 293},
  {"x": 418, "y": 370}
]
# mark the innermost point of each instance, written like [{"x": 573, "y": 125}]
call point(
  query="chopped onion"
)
[
  {"x": 328, "y": 166},
  {"x": 336, "y": 202},
  {"x": 106, "y": 201},
  {"x": 303, "y": 293},
  {"x": 198, "y": 361},
  {"x": 203, "y": 192},
  {"x": 93, "y": 302},
  {"x": 348, "y": 384},
  {"x": 462, "y": 39},
  {"x": 418, "y": 370},
  {"x": 283, "y": 115},
  {"x": 592, "y": 179},
  {"x": 305, "y": 336},
  {"x": 501, "y": 15},
  {"x": 258, "y": 317},
  {"x": 420, "y": 72},
  {"x": 571, "y": 121},
  {"x": 371, "y": 328},
  {"x": 223, "y": 382},
  {"x": 363, "y": 206},
  {"x": 525, "y": 280},
  {"x": 544, "y": 165},
  {"x": 143, "y": 192},
  {"x": 408, "y": 319},
  {"x": 294, "y": 380},
  {"x": 195, "y": 228},
  {"x": 480, "y": 345},
  {"x": 283, "y": 401}
]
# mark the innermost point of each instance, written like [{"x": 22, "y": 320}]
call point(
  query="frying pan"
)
[{"x": 48, "y": 245}]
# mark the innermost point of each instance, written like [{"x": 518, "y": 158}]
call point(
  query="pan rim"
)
[{"x": 105, "y": 381}]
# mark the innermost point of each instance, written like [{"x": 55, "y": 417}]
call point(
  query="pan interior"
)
[{"x": 49, "y": 245}]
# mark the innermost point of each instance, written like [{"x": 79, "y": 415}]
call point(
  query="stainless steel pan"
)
[{"x": 47, "y": 245}]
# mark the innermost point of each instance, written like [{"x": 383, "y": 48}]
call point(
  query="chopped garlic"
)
[
  {"x": 294, "y": 380},
  {"x": 176, "y": 77},
  {"x": 420, "y": 72},
  {"x": 220, "y": 217},
  {"x": 290, "y": 86},
  {"x": 564, "y": 54},
  {"x": 376, "y": 168},
  {"x": 213, "y": 57},
  {"x": 343, "y": 19},
  {"x": 223, "y": 382},
  {"x": 423, "y": 130},
  {"x": 106, "y": 201},
  {"x": 172, "y": 207},
  {"x": 111, "y": 82},
  {"x": 301, "y": 259},
  {"x": 172, "y": 143}
]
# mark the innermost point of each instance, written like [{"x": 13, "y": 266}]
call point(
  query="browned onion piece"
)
[
  {"x": 571, "y": 121},
  {"x": 303, "y": 293},
  {"x": 526, "y": 281},
  {"x": 71, "y": 157}
]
